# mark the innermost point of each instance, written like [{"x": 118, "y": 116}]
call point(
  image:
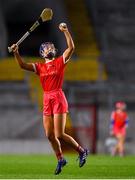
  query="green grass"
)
[{"x": 42, "y": 167}]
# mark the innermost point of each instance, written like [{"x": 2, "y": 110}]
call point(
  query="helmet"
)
[
  {"x": 51, "y": 53},
  {"x": 120, "y": 105}
]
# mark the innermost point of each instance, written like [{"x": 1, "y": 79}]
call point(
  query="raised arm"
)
[
  {"x": 70, "y": 44},
  {"x": 22, "y": 64}
]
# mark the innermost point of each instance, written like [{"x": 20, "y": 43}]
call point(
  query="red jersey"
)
[
  {"x": 51, "y": 73},
  {"x": 119, "y": 118}
]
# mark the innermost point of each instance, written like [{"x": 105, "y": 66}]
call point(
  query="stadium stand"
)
[
  {"x": 114, "y": 27},
  {"x": 85, "y": 70},
  {"x": 12, "y": 26},
  {"x": 108, "y": 23},
  {"x": 87, "y": 62},
  {"x": 114, "y": 22},
  {"x": 16, "y": 107},
  {"x": 17, "y": 111},
  {"x": 82, "y": 29},
  {"x": 10, "y": 71}
]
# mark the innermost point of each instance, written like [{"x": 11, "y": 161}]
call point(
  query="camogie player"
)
[
  {"x": 118, "y": 126},
  {"x": 55, "y": 106}
]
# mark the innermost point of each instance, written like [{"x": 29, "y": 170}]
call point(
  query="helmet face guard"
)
[{"x": 47, "y": 46}]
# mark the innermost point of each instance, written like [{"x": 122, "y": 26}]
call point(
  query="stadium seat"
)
[{"x": 10, "y": 71}]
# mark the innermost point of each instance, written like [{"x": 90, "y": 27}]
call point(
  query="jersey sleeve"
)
[
  {"x": 60, "y": 61},
  {"x": 37, "y": 67},
  {"x": 127, "y": 120}
]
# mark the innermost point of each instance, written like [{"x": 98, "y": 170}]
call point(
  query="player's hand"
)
[
  {"x": 14, "y": 48},
  {"x": 63, "y": 27}
]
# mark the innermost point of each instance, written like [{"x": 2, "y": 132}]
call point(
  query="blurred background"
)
[{"x": 101, "y": 72}]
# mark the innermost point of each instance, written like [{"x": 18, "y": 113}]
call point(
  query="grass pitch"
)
[{"x": 43, "y": 166}]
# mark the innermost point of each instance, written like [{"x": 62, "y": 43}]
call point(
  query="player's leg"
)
[
  {"x": 115, "y": 148},
  {"x": 122, "y": 141},
  {"x": 119, "y": 142},
  {"x": 59, "y": 128},
  {"x": 121, "y": 145},
  {"x": 49, "y": 131},
  {"x": 116, "y": 135},
  {"x": 61, "y": 105},
  {"x": 48, "y": 124}
]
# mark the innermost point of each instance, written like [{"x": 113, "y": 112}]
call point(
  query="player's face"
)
[
  {"x": 49, "y": 49},
  {"x": 122, "y": 108}
]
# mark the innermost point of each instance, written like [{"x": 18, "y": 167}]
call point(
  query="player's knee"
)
[
  {"x": 50, "y": 136},
  {"x": 60, "y": 136}
]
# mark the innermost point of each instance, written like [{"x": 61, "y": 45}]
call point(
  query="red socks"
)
[
  {"x": 80, "y": 149},
  {"x": 59, "y": 155}
]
